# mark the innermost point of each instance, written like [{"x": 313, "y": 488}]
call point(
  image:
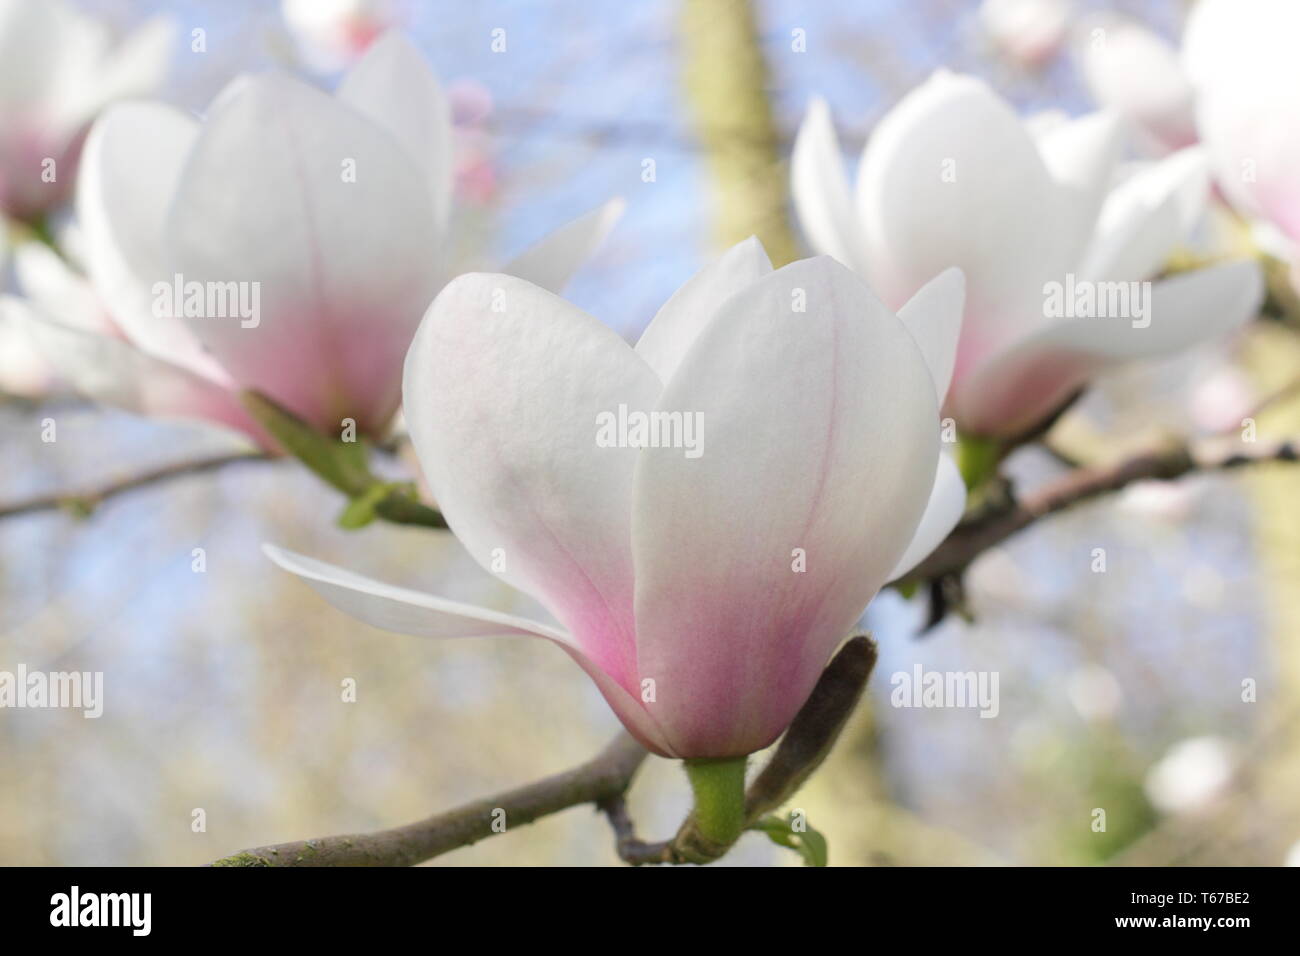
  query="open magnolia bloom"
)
[
  {"x": 289, "y": 244},
  {"x": 1239, "y": 58},
  {"x": 703, "y": 583},
  {"x": 60, "y": 68},
  {"x": 1054, "y": 251}
]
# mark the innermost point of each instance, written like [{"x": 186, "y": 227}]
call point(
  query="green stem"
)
[{"x": 719, "y": 787}]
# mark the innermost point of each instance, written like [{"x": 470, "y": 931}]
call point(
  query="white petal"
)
[
  {"x": 405, "y": 611},
  {"x": 402, "y": 610},
  {"x": 821, "y": 191},
  {"x": 116, "y": 373},
  {"x": 1147, "y": 215},
  {"x": 503, "y": 388},
  {"x": 129, "y": 171},
  {"x": 1081, "y": 156},
  {"x": 49, "y": 282},
  {"x": 933, "y": 316},
  {"x": 1136, "y": 72},
  {"x": 819, "y": 436},
  {"x": 552, "y": 260},
  {"x": 951, "y": 178},
  {"x": 137, "y": 66},
  {"x": 1024, "y": 385},
  {"x": 394, "y": 86},
  {"x": 945, "y": 508},
  {"x": 675, "y": 327},
  {"x": 290, "y": 189}
]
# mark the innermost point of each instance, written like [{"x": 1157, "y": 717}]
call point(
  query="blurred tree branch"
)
[{"x": 85, "y": 501}]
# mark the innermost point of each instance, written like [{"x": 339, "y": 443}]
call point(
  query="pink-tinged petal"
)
[
  {"x": 933, "y": 317},
  {"x": 552, "y": 260},
  {"x": 504, "y": 387},
  {"x": 675, "y": 327},
  {"x": 288, "y": 188},
  {"x": 394, "y": 86},
  {"x": 129, "y": 172},
  {"x": 1147, "y": 216},
  {"x": 819, "y": 439},
  {"x": 1136, "y": 72},
  {"x": 1026, "y": 384},
  {"x": 116, "y": 373},
  {"x": 945, "y": 508},
  {"x": 1081, "y": 156},
  {"x": 949, "y": 178},
  {"x": 820, "y": 189},
  {"x": 1240, "y": 57},
  {"x": 405, "y": 611}
]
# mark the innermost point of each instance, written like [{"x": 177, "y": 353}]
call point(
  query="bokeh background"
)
[{"x": 1119, "y": 690}]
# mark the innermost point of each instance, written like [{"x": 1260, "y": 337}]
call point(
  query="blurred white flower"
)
[
  {"x": 333, "y": 34},
  {"x": 1028, "y": 32},
  {"x": 1240, "y": 58},
  {"x": 1191, "y": 775},
  {"x": 334, "y": 208},
  {"x": 952, "y": 177},
  {"x": 60, "y": 68},
  {"x": 1094, "y": 692}
]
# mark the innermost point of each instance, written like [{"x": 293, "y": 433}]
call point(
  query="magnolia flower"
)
[
  {"x": 702, "y": 593},
  {"x": 60, "y": 69},
  {"x": 332, "y": 34},
  {"x": 1136, "y": 72},
  {"x": 1239, "y": 58},
  {"x": 1029, "y": 32},
  {"x": 1051, "y": 248},
  {"x": 288, "y": 244}
]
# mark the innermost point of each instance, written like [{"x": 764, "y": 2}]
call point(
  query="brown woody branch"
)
[{"x": 984, "y": 531}]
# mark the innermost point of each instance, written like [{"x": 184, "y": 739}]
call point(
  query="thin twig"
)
[
  {"x": 969, "y": 540},
  {"x": 83, "y": 502},
  {"x": 597, "y": 781}
]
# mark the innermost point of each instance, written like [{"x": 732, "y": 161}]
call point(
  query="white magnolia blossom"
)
[
  {"x": 61, "y": 67},
  {"x": 1029, "y": 32},
  {"x": 724, "y": 579},
  {"x": 333, "y": 209},
  {"x": 952, "y": 177}
]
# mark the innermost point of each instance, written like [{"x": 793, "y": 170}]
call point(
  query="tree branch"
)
[
  {"x": 981, "y": 532},
  {"x": 84, "y": 502},
  {"x": 601, "y": 779}
]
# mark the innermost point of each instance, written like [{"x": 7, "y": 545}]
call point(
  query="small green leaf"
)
[
  {"x": 809, "y": 843},
  {"x": 344, "y": 465}
]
